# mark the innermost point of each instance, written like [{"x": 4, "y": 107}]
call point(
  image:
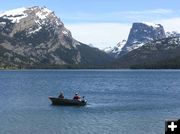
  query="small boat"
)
[{"x": 67, "y": 102}]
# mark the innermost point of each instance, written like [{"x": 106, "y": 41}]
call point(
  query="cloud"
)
[
  {"x": 107, "y": 29},
  {"x": 103, "y": 35},
  {"x": 153, "y": 11},
  {"x": 172, "y": 24},
  {"x": 100, "y": 35},
  {"x": 147, "y": 14},
  {"x": 121, "y": 16}
]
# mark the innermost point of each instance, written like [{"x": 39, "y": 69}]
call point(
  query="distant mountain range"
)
[
  {"x": 160, "y": 53},
  {"x": 148, "y": 46},
  {"x": 36, "y": 38}
]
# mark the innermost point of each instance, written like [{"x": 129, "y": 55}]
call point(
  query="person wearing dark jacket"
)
[{"x": 61, "y": 96}]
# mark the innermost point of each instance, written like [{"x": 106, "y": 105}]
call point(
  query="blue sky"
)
[{"x": 106, "y": 22}]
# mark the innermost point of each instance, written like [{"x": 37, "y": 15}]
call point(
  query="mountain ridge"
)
[
  {"x": 160, "y": 53},
  {"x": 39, "y": 36},
  {"x": 35, "y": 37},
  {"x": 140, "y": 33}
]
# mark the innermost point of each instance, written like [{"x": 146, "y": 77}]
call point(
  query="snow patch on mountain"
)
[
  {"x": 135, "y": 46},
  {"x": 36, "y": 30},
  {"x": 14, "y": 12},
  {"x": 2, "y": 23},
  {"x": 15, "y": 15},
  {"x": 65, "y": 32},
  {"x": 152, "y": 24},
  {"x": 107, "y": 49},
  {"x": 115, "y": 51},
  {"x": 43, "y": 13}
]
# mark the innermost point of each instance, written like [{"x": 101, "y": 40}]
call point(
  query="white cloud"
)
[
  {"x": 172, "y": 24},
  {"x": 101, "y": 35},
  {"x": 121, "y": 16},
  {"x": 152, "y": 11}
]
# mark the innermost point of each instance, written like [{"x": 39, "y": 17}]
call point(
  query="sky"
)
[{"x": 104, "y": 23}]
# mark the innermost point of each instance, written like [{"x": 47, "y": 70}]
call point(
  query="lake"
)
[{"x": 119, "y": 101}]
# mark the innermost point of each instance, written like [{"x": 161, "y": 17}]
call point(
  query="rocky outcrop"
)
[{"x": 140, "y": 34}]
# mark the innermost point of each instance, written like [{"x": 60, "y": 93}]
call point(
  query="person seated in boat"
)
[
  {"x": 61, "y": 96},
  {"x": 77, "y": 97},
  {"x": 83, "y": 99}
]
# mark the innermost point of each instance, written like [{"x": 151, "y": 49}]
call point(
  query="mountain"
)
[
  {"x": 35, "y": 37},
  {"x": 160, "y": 53},
  {"x": 115, "y": 51},
  {"x": 140, "y": 34},
  {"x": 172, "y": 34}
]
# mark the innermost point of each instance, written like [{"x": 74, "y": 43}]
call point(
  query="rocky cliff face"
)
[
  {"x": 140, "y": 34},
  {"x": 35, "y": 36}
]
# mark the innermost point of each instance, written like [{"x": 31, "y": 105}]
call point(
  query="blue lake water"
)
[{"x": 119, "y": 101}]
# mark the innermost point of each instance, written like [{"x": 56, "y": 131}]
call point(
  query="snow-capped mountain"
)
[
  {"x": 140, "y": 34},
  {"x": 149, "y": 47},
  {"x": 161, "y": 53},
  {"x": 35, "y": 36},
  {"x": 115, "y": 51}
]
